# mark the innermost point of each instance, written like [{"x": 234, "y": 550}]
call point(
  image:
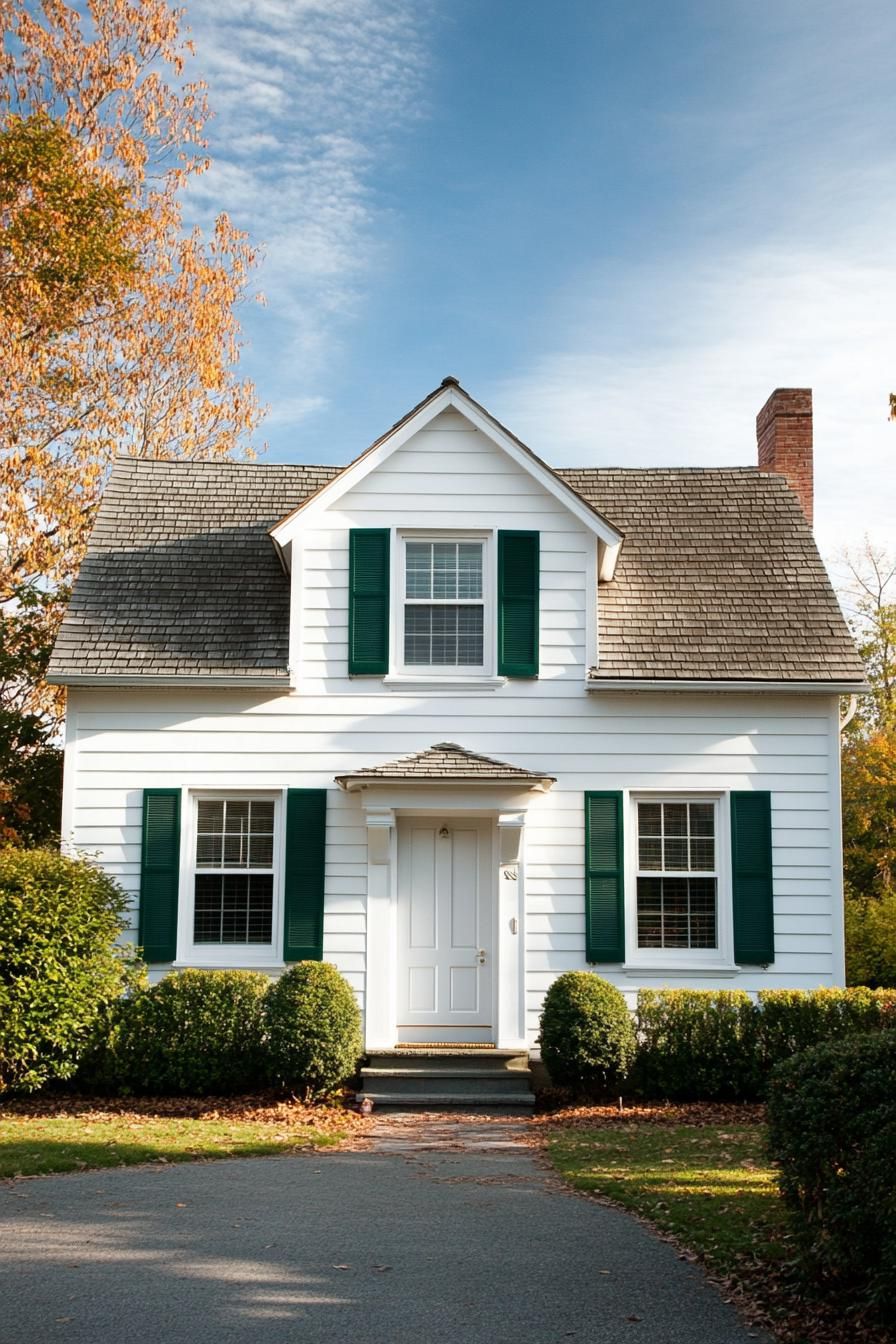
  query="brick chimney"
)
[{"x": 784, "y": 436}]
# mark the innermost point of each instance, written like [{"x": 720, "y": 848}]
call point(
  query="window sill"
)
[
  {"x": 721, "y": 968},
  {"x": 233, "y": 964},
  {"x": 402, "y": 681}
]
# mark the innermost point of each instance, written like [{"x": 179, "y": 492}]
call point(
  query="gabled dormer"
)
[{"x": 455, "y": 542}]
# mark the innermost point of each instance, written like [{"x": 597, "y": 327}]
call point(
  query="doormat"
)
[{"x": 445, "y": 1045}]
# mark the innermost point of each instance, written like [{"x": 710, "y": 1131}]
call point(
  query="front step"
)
[{"x": 440, "y": 1078}]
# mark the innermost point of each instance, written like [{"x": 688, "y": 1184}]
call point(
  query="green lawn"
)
[
  {"x": 709, "y": 1186},
  {"x": 32, "y": 1145}
]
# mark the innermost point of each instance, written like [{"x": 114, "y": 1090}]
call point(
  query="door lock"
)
[{"x": 480, "y": 956}]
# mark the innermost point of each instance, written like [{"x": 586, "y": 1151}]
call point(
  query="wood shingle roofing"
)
[
  {"x": 718, "y": 578},
  {"x": 446, "y": 761}
]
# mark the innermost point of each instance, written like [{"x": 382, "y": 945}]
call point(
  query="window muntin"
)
[
  {"x": 233, "y": 897},
  {"x": 444, "y": 607},
  {"x": 677, "y": 875}
]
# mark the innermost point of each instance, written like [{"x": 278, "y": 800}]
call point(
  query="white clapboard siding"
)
[
  {"x": 122, "y": 741},
  {"x": 417, "y": 487}
]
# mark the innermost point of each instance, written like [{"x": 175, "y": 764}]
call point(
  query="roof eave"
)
[
  {"x": 727, "y": 685},
  {"x": 149, "y": 680},
  {"x": 354, "y": 783}
]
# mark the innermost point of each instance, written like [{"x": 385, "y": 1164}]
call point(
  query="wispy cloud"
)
[
  {"x": 778, "y": 269},
  {"x": 308, "y": 97}
]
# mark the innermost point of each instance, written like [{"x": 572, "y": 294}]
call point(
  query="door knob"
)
[{"x": 480, "y": 956}]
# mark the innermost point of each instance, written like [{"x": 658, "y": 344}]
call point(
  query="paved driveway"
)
[{"x": 407, "y": 1244}]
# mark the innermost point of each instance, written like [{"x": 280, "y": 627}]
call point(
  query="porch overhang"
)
[{"x": 446, "y": 765}]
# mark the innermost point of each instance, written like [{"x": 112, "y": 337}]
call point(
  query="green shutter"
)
[
  {"x": 518, "y": 583},
  {"x": 751, "y": 862},
  {"x": 368, "y": 601},
  {"x": 604, "y": 885},
  {"x": 306, "y": 848},
  {"x": 159, "y": 874}
]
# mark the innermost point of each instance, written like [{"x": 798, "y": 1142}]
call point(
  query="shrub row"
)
[
  {"x": 693, "y": 1045},
  {"x": 832, "y": 1131},
  {"x": 722, "y": 1045},
  {"x": 217, "y": 1032}
]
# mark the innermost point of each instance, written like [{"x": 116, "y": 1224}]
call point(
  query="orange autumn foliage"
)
[{"x": 125, "y": 341}]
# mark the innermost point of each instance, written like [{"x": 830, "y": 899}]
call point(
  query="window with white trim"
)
[
  {"x": 233, "y": 882},
  {"x": 677, "y": 875},
  {"x": 444, "y": 604}
]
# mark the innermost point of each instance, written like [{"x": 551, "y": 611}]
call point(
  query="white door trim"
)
[
  {"x": 439, "y": 966},
  {"x": 507, "y": 808}
]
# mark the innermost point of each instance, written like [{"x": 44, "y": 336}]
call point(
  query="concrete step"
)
[
  {"x": 436, "y": 1101},
  {"x": 445, "y": 1083},
  {"x": 484, "y": 1061},
  {"x": 441, "y": 1078}
]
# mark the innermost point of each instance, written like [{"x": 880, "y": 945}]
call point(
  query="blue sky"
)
[{"x": 620, "y": 224}]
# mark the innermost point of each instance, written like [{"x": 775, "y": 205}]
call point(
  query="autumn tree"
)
[
  {"x": 869, "y": 773},
  {"x": 120, "y": 328}
]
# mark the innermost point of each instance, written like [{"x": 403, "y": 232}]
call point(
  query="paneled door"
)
[{"x": 445, "y": 938}]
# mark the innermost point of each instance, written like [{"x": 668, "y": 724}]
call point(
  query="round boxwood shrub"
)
[
  {"x": 196, "y": 1032},
  {"x": 832, "y": 1131},
  {"x": 313, "y": 1029},
  {"x": 587, "y": 1035},
  {"x": 60, "y": 965}
]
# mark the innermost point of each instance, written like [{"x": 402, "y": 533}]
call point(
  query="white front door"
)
[{"x": 445, "y": 938}]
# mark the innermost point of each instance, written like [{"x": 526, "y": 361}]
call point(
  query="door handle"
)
[{"x": 480, "y": 956}]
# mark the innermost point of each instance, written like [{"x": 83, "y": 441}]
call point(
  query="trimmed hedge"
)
[
  {"x": 696, "y": 1045},
  {"x": 313, "y": 1029},
  {"x": 60, "y": 965},
  {"x": 721, "y": 1045},
  {"x": 587, "y": 1035},
  {"x": 195, "y": 1032},
  {"x": 832, "y": 1131}
]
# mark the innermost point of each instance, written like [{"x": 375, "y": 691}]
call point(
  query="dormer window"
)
[
  {"x": 444, "y": 615},
  {"x": 435, "y": 607}
]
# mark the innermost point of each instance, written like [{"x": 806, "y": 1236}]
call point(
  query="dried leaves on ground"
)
[
  {"x": 68, "y": 1133},
  {"x": 698, "y": 1174}
]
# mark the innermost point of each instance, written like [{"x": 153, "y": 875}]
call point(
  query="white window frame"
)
[
  {"x": 234, "y": 955},
  {"x": 475, "y": 673},
  {"x": 719, "y": 958}
]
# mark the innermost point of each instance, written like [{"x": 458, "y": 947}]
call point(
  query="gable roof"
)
[
  {"x": 450, "y": 395},
  {"x": 445, "y": 762},
  {"x": 719, "y": 579}
]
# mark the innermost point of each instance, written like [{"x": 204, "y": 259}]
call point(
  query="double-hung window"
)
[
  {"x": 444, "y": 614},
  {"x": 234, "y": 877},
  {"x": 677, "y": 875}
]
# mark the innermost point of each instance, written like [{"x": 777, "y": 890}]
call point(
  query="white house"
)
[{"x": 457, "y": 721}]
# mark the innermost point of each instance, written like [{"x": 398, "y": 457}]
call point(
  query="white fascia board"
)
[
  {"x": 147, "y": 682},
  {"x": 283, "y": 532},
  {"x": 682, "y": 684},
  {"x": 456, "y": 398},
  {"x": 601, "y": 528},
  {"x": 353, "y": 784}
]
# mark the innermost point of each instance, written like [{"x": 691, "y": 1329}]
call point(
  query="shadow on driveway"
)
[{"x": 418, "y": 1245}]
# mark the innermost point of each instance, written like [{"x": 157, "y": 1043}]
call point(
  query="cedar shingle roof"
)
[
  {"x": 181, "y": 577},
  {"x": 446, "y": 761},
  {"x": 718, "y": 577}
]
